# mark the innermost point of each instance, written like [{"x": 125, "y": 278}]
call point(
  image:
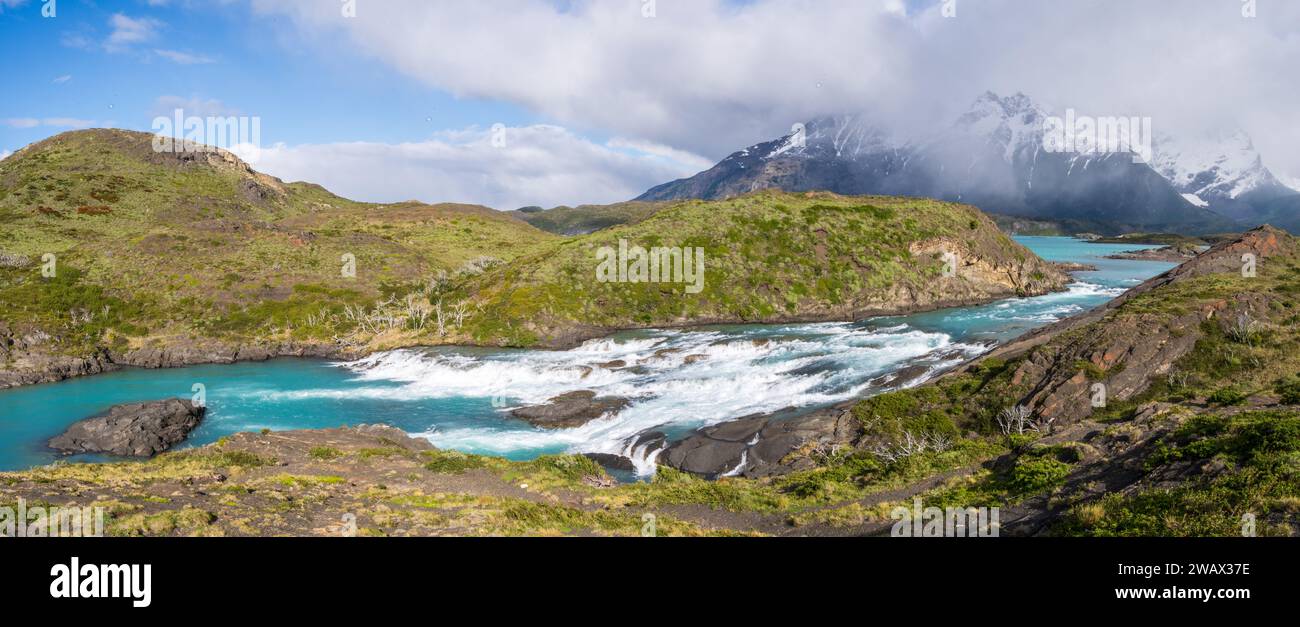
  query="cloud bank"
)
[
  {"x": 710, "y": 76},
  {"x": 503, "y": 168}
]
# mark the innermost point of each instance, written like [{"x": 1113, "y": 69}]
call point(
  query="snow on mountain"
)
[
  {"x": 1214, "y": 167},
  {"x": 996, "y": 156},
  {"x": 843, "y": 136},
  {"x": 1011, "y": 123}
]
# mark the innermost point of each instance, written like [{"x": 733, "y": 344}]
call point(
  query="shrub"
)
[
  {"x": 1034, "y": 474},
  {"x": 1228, "y": 396},
  {"x": 1289, "y": 390},
  {"x": 325, "y": 453},
  {"x": 451, "y": 462}
]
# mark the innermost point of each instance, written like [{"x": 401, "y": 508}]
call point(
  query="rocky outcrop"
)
[
  {"x": 1128, "y": 352},
  {"x": 1072, "y": 266},
  {"x": 1170, "y": 254},
  {"x": 132, "y": 429},
  {"x": 570, "y": 410},
  {"x": 27, "y": 357},
  {"x": 192, "y": 353},
  {"x": 761, "y": 445},
  {"x": 31, "y": 357}
]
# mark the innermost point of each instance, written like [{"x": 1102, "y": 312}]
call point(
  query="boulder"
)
[
  {"x": 611, "y": 461},
  {"x": 569, "y": 410},
  {"x": 132, "y": 429},
  {"x": 760, "y": 445}
]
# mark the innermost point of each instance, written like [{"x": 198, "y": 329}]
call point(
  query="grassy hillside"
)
[
  {"x": 1199, "y": 430},
  {"x": 165, "y": 259},
  {"x": 155, "y": 246},
  {"x": 586, "y": 218},
  {"x": 1200, "y": 437},
  {"x": 1201, "y": 426},
  {"x": 769, "y": 257}
]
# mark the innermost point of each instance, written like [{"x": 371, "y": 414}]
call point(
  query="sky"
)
[{"x": 511, "y": 103}]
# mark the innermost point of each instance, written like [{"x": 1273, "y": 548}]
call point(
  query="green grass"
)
[
  {"x": 1259, "y": 458},
  {"x": 164, "y": 252},
  {"x": 587, "y": 218},
  {"x": 159, "y": 252},
  {"x": 768, "y": 256}
]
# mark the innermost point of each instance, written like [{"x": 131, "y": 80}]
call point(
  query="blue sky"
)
[
  {"x": 70, "y": 70},
  {"x": 603, "y": 99}
]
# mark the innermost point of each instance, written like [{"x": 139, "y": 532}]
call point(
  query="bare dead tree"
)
[{"x": 1015, "y": 420}]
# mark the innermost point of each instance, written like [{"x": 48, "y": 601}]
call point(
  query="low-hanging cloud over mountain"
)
[{"x": 710, "y": 76}]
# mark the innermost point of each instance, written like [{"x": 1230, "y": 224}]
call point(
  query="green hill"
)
[
  {"x": 768, "y": 257},
  {"x": 156, "y": 251},
  {"x": 586, "y": 219},
  {"x": 167, "y": 259}
]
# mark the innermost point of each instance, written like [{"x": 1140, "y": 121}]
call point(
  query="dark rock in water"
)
[
  {"x": 132, "y": 429},
  {"x": 716, "y": 450},
  {"x": 570, "y": 410},
  {"x": 760, "y": 445},
  {"x": 611, "y": 461},
  {"x": 691, "y": 359},
  {"x": 900, "y": 377},
  {"x": 613, "y": 365}
]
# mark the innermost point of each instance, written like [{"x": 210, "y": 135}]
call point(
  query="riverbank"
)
[
  {"x": 676, "y": 380},
  {"x": 1062, "y": 472}
]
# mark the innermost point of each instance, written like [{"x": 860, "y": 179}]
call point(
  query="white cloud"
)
[
  {"x": 68, "y": 122},
  {"x": 711, "y": 76},
  {"x": 128, "y": 31},
  {"x": 73, "y": 123},
  {"x": 183, "y": 58},
  {"x": 4, "y": 154},
  {"x": 76, "y": 40},
  {"x": 538, "y": 165},
  {"x": 192, "y": 106},
  {"x": 11, "y": 4},
  {"x": 62, "y": 79}
]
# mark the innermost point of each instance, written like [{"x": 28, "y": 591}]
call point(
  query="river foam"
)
[{"x": 676, "y": 380}]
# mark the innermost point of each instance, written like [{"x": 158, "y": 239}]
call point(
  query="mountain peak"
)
[
  {"x": 1222, "y": 165},
  {"x": 991, "y": 104}
]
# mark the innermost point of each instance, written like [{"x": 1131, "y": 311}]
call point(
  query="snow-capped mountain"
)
[
  {"x": 1223, "y": 172},
  {"x": 993, "y": 156}
]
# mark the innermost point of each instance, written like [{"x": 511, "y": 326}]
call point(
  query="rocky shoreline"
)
[
  {"x": 132, "y": 429},
  {"x": 27, "y": 362},
  {"x": 762, "y": 445},
  {"x": 29, "y": 365}
]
